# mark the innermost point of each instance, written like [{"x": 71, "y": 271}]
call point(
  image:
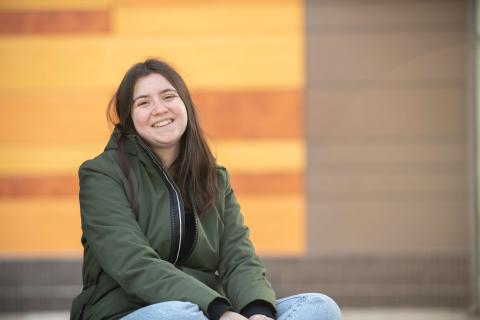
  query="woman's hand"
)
[
  {"x": 230, "y": 315},
  {"x": 259, "y": 317}
]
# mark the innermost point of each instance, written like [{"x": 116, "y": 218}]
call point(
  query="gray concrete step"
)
[{"x": 348, "y": 314}]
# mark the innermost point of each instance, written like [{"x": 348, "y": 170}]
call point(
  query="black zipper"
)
[
  {"x": 177, "y": 212},
  {"x": 195, "y": 228}
]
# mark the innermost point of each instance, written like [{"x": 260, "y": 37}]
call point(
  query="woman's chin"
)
[{"x": 165, "y": 144}]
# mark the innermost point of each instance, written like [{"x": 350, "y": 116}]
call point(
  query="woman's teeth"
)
[{"x": 162, "y": 123}]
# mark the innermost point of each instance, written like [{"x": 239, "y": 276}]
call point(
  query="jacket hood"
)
[{"x": 131, "y": 141}]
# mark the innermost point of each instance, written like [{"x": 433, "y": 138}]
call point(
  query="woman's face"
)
[{"x": 158, "y": 114}]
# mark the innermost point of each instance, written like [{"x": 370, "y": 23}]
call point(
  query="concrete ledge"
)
[{"x": 358, "y": 280}]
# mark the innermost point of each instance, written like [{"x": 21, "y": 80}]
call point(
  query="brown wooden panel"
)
[
  {"x": 251, "y": 114},
  {"x": 384, "y": 16},
  {"x": 54, "y": 22},
  {"x": 364, "y": 113},
  {"x": 79, "y": 117},
  {"x": 28, "y": 186},
  {"x": 59, "y": 186}
]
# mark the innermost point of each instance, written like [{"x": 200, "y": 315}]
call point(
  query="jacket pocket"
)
[{"x": 209, "y": 278}]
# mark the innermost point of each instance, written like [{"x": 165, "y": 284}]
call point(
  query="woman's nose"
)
[{"x": 159, "y": 107}]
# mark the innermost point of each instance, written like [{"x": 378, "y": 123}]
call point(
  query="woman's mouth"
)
[{"x": 162, "y": 123}]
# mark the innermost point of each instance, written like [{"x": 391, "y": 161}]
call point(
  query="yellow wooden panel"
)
[
  {"x": 242, "y": 156},
  {"x": 210, "y": 18},
  {"x": 35, "y": 159},
  {"x": 60, "y": 62},
  {"x": 54, "y": 4},
  {"x": 261, "y": 156},
  {"x": 194, "y": 2},
  {"x": 51, "y": 226}
]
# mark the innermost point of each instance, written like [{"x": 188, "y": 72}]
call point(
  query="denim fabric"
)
[
  {"x": 307, "y": 306},
  {"x": 168, "y": 310}
]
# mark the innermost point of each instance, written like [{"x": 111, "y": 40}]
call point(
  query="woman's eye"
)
[
  {"x": 169, "y": 97},
  {"x": 142, "y": 103}
]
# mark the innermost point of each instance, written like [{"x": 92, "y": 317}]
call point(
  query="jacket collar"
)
[{"x": 135, "y": 146}]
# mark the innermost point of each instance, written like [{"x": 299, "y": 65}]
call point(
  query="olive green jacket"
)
[{"x": 131, "y": 262}]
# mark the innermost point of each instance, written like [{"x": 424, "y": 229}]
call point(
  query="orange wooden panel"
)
[
  {"x": 51, "y": 226},
  {"x": 67, "y": 185},
  {"x": 44, "y": 225},
  {"x": 78, "y": 117},
  {"x": 55, "y": 4},
  {"x": 277, "y": 223},
  {"x": 54, "y": 117},
  {"x": 268, "y": 183},
  {"x": 50, "y": 21},
  {"x": 251, "y": 114}
]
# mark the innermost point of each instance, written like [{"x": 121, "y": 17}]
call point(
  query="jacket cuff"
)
[
  {"x": 258, "y": 307},
  {"x": 218, "y": 307}
]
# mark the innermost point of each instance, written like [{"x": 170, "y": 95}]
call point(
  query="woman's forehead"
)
[{"x": 151, "y": 84}]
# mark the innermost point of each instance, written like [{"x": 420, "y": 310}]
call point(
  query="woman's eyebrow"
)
[{"x": 161, "y": 92}]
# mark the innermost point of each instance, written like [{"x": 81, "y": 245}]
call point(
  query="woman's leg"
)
[
  {"x": 167, "y": 311},
  {"x": 308, "y": 306}
]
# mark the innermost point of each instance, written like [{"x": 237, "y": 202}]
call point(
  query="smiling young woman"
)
[
  {"x": 163, "y": 234},
  {"x": 159, "y": 116}
]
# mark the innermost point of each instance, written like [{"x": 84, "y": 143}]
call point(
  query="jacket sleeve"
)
[
  {"x": 241, "y": 270},
  {"x": 122, "y": 249}
]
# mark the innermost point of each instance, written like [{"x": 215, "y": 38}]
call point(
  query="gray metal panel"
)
[
  {"x": 385, "y": 126},
  {"x": 375, "y": 60},
  {"x": 399, "y": 226},
  {"x": 378, "y": 15},
  {"x": 409, "y": 114}
]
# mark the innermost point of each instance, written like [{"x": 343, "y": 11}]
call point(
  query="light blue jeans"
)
[{"x": 307, "y": 306}]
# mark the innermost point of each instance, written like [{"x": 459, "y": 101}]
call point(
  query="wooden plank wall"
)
[
  {"x": 62, "y": 60},
  {"x": 386, "y": 127}
]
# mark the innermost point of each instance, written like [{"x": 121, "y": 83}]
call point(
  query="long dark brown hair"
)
[{"x": 195, "y": 166}]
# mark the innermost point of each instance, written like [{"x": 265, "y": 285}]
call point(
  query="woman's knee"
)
[
  {"x": 323, "y": 305},
  {"x": 168, "y": 310},
  {"x": 309, "y": 306},
  {"x": 184, "y": 310}
]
